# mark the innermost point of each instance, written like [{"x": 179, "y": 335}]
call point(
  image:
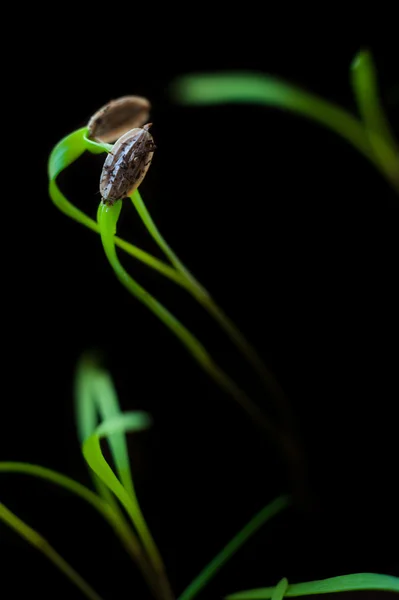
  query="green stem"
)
[
  {"x": 286, "y": 439},
  {"x": 108, "y": 217},
  {"x": 43, "y": 546},
  {"x": 365, "y": 86},
  {"x": 281, "y": 438},
  {"x": 77, "y": 215},
  {"x": 204, "y": 298},
  {"x": 160, "y": 240}
]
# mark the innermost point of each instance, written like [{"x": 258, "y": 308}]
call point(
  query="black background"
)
[{"x": 294, "y": 234}]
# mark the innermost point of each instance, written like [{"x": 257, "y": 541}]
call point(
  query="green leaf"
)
[
  {"x": 343, "y": 583},
  {"x": 269, "y": 511},
  {"x": 36, "y": 540}
]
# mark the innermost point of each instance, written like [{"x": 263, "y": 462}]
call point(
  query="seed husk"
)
[{"x": 117, "y": 117}]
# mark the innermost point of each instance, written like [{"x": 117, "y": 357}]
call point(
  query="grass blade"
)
[
  {"x": 343, "y": 583},
  {"x": 235, "y": 544},
  {"x": 34, "y": 538}
]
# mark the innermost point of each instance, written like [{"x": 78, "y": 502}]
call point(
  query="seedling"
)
[{"x": 97, "y": 409}]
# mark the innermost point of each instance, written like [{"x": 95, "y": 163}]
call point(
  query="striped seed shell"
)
[
  {"x": 127, "y": 164},
  {"x": 117, "y": 117}
]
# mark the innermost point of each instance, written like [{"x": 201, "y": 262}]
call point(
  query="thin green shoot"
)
[
  {"x": 41, "y": 544},
  {"x": 96, "y": 147},
  {"x": 235, "y": 544},
  {"x": 342, "y": 583},
  {"x": 160, "y": 240},
  {"x": 108, "y": 217},
  {"x": 365, "y": 86},
  {"x": 204, "y": 298}
]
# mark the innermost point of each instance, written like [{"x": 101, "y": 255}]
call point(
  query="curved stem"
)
[
  {"x": 181, "y": 279},
  {"x": 41, "y": 544},
  {"x": 281, "y": 438},
  {"x": 204, "y": 298},
  {"x": 160, "y": 240},
  {"x": 108, "y": 217},
  {"x": 74, "y": 213}
]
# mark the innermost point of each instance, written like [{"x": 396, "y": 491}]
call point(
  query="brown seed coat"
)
[
  {"x": 117, "y": 117},
  {"x": 127, "y": 164}
]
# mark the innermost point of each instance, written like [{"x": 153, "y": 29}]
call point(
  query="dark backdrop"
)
[{"x": 294, "y": 234}]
